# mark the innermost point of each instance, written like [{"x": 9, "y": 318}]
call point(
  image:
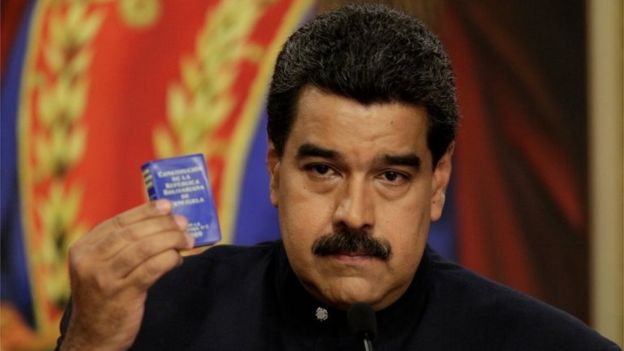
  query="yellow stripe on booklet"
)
[{"x": 184, "y": 181}]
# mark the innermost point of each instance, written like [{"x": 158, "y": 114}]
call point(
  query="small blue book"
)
[{"x": 184, "y": 181}]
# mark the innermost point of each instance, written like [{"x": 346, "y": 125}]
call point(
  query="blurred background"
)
[{"x": 92, "y": 89}]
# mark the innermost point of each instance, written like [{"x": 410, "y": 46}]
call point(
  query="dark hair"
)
[{"x": 372, "y": 54}]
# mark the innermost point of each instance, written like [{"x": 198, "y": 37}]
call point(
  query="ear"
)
[
  {"x": 273, "y": 164},
  {"x": 440, "y": 181}
]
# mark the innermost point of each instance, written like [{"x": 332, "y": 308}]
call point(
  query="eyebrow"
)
[
  {"x": 408, "y": 160},
  {"x": 311, "y": 150}
]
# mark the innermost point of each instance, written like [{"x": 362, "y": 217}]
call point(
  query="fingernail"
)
[
  {"x": 190, "y": 240},
  {"x": 180, "y": 221},
  {"x": 163, "y": 206}
]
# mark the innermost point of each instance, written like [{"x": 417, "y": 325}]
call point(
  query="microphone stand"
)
[
  {"x": 363, "y": 323},
  {"x": 368, "y": 344}
]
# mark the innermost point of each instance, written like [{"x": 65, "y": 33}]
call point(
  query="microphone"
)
[{"x": 363, "y": 323}]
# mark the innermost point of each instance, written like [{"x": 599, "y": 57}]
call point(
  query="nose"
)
[{"x": 355, "y": 207}]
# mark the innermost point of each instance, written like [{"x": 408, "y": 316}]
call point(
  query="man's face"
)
[{"x": 356, "y": 192}]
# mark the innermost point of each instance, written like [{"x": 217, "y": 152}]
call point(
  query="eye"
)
[
  {"x": 391, "y": 176},
  {"x": 319, "y": 170},
  {"x": 394, "y": 177}
]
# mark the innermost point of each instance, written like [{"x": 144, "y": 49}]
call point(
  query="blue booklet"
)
[{"x": 184, "y": 181}]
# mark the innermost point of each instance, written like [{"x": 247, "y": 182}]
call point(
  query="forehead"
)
[{"x": 348, "y": 126}]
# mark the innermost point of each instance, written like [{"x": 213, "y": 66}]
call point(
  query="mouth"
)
[
  {"x": 352, "y": 257},
  {"x": 353, "y": 253}
]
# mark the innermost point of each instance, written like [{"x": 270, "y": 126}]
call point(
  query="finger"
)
[
  {"x": 141, "y": 251},
  {"x": 116, "y": 241},
  {"x": 146, "y": 274},
  {"x": 137, "y": 214}
]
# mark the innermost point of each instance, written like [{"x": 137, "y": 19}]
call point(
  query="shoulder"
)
[
  {"x": 208, "y": 297},
  {"x": 223, "y": 261},
  {"x": 484, "y": 308},
  {"x": 233, "y": 254}
]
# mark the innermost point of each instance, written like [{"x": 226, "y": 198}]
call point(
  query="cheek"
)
[
  {"x": 304, "y": 215},
  {"x": 405, "y": 224}
]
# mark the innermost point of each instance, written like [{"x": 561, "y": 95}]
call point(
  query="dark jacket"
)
[{"x": 248, "y": 298}]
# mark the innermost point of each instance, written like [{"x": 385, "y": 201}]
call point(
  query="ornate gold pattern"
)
[
  {"x": 198, "y": 105},
  {"x": 59, "y": 220},
  {"x": 60, "y": 140},
  {"x": 139, "y": 13}
]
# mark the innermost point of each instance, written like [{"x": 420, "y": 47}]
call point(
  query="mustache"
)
[{"x": 349, "y": 240}]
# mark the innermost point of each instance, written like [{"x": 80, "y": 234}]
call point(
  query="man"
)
[{"x": 362, "y": 118}]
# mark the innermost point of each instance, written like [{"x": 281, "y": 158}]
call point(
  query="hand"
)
[{"x": 112, "y": 267}]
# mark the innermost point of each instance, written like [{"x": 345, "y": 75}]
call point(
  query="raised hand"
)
[{"x": 111, "y": 269}]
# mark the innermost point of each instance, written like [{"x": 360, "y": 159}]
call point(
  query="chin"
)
[{"x": 347, "y": 291}]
